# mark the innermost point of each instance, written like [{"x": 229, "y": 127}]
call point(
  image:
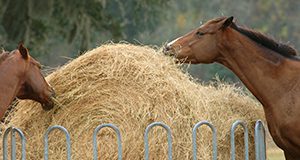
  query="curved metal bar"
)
[
  {"x": 260, "y": 141},
  {"x": 68, "y": 141},
  {"x": 4, "y": 143},
  {"x": 233, "y": 127},
  {"x": 23, "y": 141},
  {"x": 119, "y": 141},
  {"x": 13, "y": 143},
  {"x": 214, "y": 140},
  {"x": 146, "y": 139}
]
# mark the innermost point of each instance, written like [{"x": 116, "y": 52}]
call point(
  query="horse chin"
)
[{"x": 48, "y": 106}]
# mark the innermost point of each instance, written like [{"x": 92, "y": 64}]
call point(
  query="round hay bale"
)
[{"x": 131, "y": 87}]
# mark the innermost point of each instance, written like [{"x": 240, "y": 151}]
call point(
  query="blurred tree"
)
[
  {"x": 59, "y": 27},
  {"x": 75, "y": 21}
]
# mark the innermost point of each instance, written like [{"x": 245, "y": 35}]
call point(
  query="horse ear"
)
[
  {"x": 227, "y": 22},
  {"x": 23, "y": 50}
]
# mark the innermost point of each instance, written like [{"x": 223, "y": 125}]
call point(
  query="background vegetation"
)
[{"x": 55, "y": 29}]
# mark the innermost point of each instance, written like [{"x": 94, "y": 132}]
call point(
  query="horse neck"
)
[
  {"x": 9, "y": 86},
  {"x": 263, "y": 71}
]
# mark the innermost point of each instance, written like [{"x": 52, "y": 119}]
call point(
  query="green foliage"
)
[
  {"x": 55, "y": 28},
  {"x": 75, "y": 21}
]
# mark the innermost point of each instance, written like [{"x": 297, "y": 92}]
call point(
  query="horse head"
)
[
  {"x": 199, "y": 45},
  {"x": 33, "y": 84}
]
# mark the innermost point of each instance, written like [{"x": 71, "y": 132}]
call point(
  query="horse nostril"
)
[{"x": 166, "y": 49}]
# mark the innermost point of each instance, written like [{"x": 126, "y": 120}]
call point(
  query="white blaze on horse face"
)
[{"x": 171, "y": 43}]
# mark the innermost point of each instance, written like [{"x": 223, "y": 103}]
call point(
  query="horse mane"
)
[{"x": 268, "y": 42}]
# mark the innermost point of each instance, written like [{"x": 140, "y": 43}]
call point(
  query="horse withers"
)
[
  {"x": 21, "y": 77},
  {"x": 269, "y": 69}
]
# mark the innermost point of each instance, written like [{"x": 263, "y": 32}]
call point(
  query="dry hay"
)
[{"x": 133, "y": 86}]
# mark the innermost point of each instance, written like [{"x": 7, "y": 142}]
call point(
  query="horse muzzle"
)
[
  {"x": 50, "y": 103},
  {"x": 168, "y": 51}
]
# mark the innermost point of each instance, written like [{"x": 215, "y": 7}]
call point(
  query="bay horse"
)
[
  {"x": 269, "y": 69},
  {"x": 21, "y": 77}
]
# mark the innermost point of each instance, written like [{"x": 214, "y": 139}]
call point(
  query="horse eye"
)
[{"x": 199, "y": 34}]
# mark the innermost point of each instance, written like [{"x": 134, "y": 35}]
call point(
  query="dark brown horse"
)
[
  {"x": 269, "y": 70},
  {"x": 20, "y": 76}
]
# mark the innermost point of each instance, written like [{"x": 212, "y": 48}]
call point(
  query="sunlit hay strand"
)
[{"x": 131, "y": 87}]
